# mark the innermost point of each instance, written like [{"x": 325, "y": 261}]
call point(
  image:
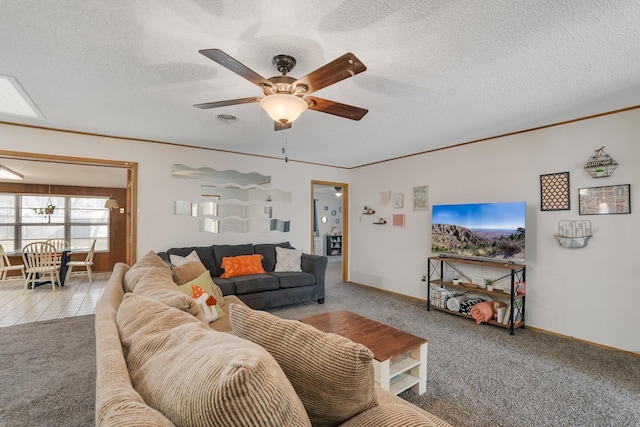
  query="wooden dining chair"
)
[
  {"x": 39, "y": 260},
  {"x": 87, "y": 263},
  {"x": 60, "y": 245},
  {"x": 6, "y": 267}
]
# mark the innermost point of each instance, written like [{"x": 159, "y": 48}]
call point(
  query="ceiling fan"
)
[{"x": 285, "y": 97}]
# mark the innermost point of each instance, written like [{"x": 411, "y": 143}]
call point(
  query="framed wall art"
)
[
  {"x": 398, "y": 220},
  {"x": 554, "y": 192},
  {"x": 421, "y": 198},
  {"x": 612, "y": 199},
  {"x": 398, "y": 200}
]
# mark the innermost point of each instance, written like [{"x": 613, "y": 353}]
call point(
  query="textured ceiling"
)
[{"x": 439, "y": 72}]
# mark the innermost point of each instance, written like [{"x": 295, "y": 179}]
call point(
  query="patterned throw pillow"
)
[
  {"x": 179, "y": 260},
  {"x": 202, "y": 291},
  {"x": 288, "y": 259},
  {"x": 242, "y": 265}
]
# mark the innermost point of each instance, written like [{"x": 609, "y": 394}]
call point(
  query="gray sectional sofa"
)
[{"x": 261, "y": 291}]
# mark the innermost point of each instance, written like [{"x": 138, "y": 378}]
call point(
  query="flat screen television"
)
[{"x": 480, "y": 230}]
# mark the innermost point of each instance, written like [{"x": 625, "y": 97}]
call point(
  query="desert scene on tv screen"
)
[{"x": 484, "y": 230}]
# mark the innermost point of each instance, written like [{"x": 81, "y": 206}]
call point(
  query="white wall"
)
[
  {"x": 158, "y": 228},
  {"x": 590, "y": 293}
]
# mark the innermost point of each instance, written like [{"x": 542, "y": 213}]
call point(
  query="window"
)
[{"x": 76, "y": 219}]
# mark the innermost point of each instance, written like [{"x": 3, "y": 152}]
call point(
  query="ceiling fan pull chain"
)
[{"x": 284, "y": 145}]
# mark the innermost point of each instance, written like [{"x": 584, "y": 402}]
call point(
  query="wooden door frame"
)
[
  {"x": 131, "y": 208},
  {"x": 345, "y": 222}
]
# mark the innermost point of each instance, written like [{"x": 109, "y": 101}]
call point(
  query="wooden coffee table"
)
[{"x": 400, "y": 359}]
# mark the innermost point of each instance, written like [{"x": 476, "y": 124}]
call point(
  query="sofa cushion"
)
[
  {"x": 288, "y": 260},
  {"x": 117, "y": 402},
  {"x": 226, "y": 285},
  {"x": 221, "y": 251},
  {"x": 192, "y": 271},
  {"x": 294, "y": 280},
  {"x": 201, "y": 290},
  {"x": 268, "y": 251},
  {"x": 179, "y": 260},
  {"x": 332, "y": 375},
  {"x": 151, "y": 259},
  {"x": 254, "y": 283},
  {"x": 205, "y": 253},
  {"x": 200, "y": 377},
  {"x": 187, "y": 271},
  {"x": 158, "y": 285},
  {"x": 390, "y": 415},
  {"x": 242, "y": 265},
  {"x": 386, "y": 398}
]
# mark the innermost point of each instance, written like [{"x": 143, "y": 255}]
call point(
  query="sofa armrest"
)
[{"x": 316, "y": 265}]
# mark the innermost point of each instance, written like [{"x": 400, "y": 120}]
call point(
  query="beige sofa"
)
[{"x": 161, "y": 363}]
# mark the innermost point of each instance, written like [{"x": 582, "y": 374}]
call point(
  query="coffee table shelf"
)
[
  {"x": 403, "y": 374},
  {"x": 402, "y": 382}
]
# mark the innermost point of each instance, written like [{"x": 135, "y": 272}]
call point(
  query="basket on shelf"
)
[{"x": 439, "y": 297}]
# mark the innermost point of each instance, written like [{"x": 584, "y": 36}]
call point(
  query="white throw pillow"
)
[
  {"x": 288, "y": 259},
  {"x": 179, "y": 260}
]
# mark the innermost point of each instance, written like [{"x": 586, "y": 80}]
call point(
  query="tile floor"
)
[{"x": 76, "y": 298}]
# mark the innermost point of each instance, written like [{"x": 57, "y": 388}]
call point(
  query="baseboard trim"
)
[
  {"x": 569, "y": 337},
  {"x": 544, "y": 331}
]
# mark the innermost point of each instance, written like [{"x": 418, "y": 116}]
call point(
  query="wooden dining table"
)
[{"x": 65, "y": 257}]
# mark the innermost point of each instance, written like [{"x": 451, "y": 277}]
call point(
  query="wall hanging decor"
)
[
  {"x": 554, "y": 192},
  {"x": 421, "y": 198},
  {"x": 398, "y": 220},
  {"x": 612, "y": 199},
  {"x": 398, "y": 200},
  {"x": 600, "y": 165},
  {"x": 385, "y": 198},
  {"x": 574, "y": 234}
]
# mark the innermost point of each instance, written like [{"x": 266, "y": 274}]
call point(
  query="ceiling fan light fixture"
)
[{"x": 283, "y": 108}]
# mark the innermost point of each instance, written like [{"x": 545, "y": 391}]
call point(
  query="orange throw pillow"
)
[{"x": 242, "y": 265}]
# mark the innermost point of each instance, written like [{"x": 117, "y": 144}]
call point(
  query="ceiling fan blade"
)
[
  {"x": 232, "y": 64},
  {"x": 339, "y": 69},
  {"x": 280, "y": 126},
  {"x": 335, "y": 108},
  {"x": 227, "y": 103}
]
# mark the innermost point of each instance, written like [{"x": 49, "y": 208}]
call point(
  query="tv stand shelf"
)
[{"x": 515, "y": 300}]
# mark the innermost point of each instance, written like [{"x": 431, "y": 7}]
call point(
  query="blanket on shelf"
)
[
  {"x": 454, "y": 303},
  {"x": 467, "y": 305}
]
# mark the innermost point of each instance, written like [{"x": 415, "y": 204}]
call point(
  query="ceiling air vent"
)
[{"x": 227, "y": 118}]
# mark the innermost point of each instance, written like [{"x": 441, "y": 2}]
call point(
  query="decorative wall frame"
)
[
  {"x": 600, "y": 165},
  {"x": 398, "y": 220},
  {"x": 398, "y": 200},
  {"x": 421, "y": 198},
  {"x": 607, "y": 200},
  {"x": 554, "y": 192}
]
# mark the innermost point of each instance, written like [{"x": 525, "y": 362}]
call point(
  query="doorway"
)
[
  {"x": 330, "y": 223},
  {"x": 65, "y": 171}
]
